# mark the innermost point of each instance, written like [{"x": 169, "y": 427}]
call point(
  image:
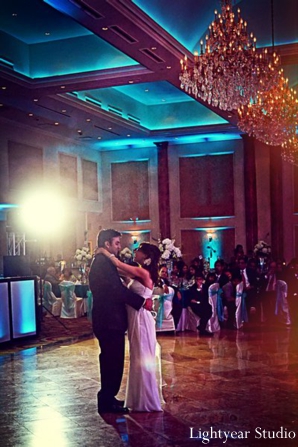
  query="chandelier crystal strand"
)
[
  {"x": 290, "y": 150},
  {"x": 272, "y": 118},
  {"x": 229, "y": 71}
]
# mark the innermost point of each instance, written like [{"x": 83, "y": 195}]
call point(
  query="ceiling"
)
[{"x": 106, "y": 72}]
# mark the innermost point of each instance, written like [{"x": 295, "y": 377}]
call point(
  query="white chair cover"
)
[
  {"x": 188, "y": 320},
  {"x": 193, "y": 320},
  {"x": 163, "y": 305},
  {"x": 213, "y": 294},
  {"x": 50, "y": 301},
  {"x": 240, "y": 314},
  {"x": 282, "y": 306},
  {"x": 71, "y": 305}
]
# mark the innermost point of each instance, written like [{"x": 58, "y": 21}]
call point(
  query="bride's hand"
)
[
  {"x": 148, "y": 304},
  {"x": 103, "y": 251},
  {"x": 109, "y": 255}
]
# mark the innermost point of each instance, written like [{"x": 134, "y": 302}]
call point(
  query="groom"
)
[{"x": 109, "y": 319}]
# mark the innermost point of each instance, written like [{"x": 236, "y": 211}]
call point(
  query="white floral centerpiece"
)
[
  {"x": 262, "y": 249},
  {"x": 83, "y": 255},
  {"x": 168, "y": 249},
  {"x": 126, "y": 254}
]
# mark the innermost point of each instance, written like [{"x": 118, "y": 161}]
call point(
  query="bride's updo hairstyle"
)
[{"x": 152, "y": 254}]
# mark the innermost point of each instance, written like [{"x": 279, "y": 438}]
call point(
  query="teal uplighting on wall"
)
[
  {"x": 212, "y": 244},
  {"x": 212, "y": 247},
  {"x": 5, "y": 206},
  {"x": 136, "y": 143},
  {"x": 213, "y": 218}
]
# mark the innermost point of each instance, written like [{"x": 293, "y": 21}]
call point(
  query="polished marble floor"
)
[{"x": 237, "y": 389}]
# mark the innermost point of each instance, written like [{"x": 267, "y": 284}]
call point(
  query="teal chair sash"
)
[
  {"x": 67, "y": 292},
  {"x": 89, "y": 304},
  {"x": 160, "y": 312},
  {"x": 244, "y": 316},
  {"x": 219, "y": 304}
]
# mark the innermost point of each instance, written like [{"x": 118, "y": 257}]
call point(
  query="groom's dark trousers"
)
[{"x": 109, "y": 320}]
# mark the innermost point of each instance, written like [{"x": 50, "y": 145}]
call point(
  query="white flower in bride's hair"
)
[{"x": 147, "y": 261}]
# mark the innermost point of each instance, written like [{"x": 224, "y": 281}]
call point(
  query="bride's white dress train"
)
[{"x": 143, "y": 390}]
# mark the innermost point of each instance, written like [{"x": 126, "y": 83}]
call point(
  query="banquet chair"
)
[
  {"x": 71, "y": 304},
  {"x": 215, "y": 300},
  {"x": 241, "y": 312},
  {"x": 282, "y": 306},
  {"x": 162, "y": 305},
  {"x": 49, "y": 300},
  {"x": 188, "y": 320}
]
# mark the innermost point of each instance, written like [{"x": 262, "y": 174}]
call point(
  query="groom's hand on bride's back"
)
[{"x": 148, "y": 304}]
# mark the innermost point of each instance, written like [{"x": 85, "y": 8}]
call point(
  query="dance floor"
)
[{"x": 237, "y": 389}]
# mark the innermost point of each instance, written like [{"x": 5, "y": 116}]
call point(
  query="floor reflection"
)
[{"x": 236, "y": 381}]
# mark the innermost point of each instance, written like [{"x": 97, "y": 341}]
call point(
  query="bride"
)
[{"x": 143, "y": 391}]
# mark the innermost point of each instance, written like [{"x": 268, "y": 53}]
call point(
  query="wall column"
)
[
  {"x": 250, "y": 192},
  {"x": 276, "y": 202},
  {"x": 163, "y": 190}
]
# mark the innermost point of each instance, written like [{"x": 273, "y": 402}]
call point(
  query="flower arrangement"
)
[
  {"x": 168, "y": 249},
  {"x": 126, "y": 254},
  {"x": 83, "y": 254},
  {"x": 262, "y": 248}
]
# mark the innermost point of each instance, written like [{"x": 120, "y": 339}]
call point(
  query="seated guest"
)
[
  {"x": 221, "y": 277},
  {"x": 163, "y": 275},
  {"x": 238, "y": 253},
  {"x": 251, "y": 283},
  {"x": 198, "y": 263},
  {"x": 210, "y": 279},
  {"x": 52, "y": 277},
  {"x": 229, "y": 297},
  {"x": 67, "y": 275},
  {"x": 174, "y": 277},
  {"x": 177, "y": 299},
  {"x": 199, "y": 304},
  {"x": 183, "y": 274},
  {"x": 191, "y": 276}
]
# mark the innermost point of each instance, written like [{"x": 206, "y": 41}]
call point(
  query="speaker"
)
[{"x": 16, "y": 266}]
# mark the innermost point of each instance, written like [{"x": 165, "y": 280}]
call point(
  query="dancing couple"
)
[{"x": 118, "y": 308}]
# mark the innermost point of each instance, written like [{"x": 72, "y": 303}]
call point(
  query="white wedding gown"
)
[{"x": 143, "y": 391}]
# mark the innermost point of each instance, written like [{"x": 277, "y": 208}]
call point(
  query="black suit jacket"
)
[
  {"x": 252, "y": 276},
  {"x": 194, "y": 294},
  {"x": 109, "y": 297},
  {"x": 222, "y": 280}
]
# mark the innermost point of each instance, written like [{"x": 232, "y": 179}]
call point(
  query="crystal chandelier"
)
[
  {"x": 273, "y": 117},
  {"x": 290, "y": 150},
  {"x": 229, "y": 71}
]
